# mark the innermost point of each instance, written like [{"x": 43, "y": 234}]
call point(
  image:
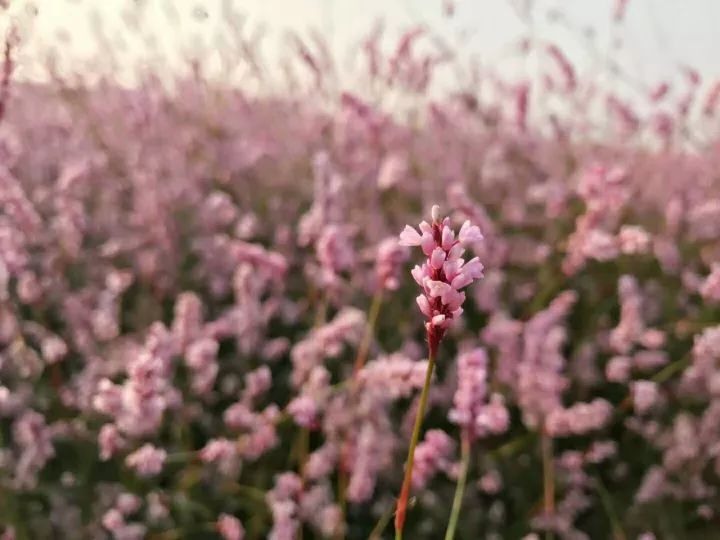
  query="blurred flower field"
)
[{"x": 208, "y": 316}]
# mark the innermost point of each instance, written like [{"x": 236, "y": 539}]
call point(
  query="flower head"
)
[{"x": 445, "y": 272}]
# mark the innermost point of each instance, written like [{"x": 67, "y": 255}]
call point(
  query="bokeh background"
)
[{"x": 208, "y": 328}]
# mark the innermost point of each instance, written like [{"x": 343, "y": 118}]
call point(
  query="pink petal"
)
[
  {"x": 427, "y": 243},
  {"x": 461, "y": 280},
  {"x": 435, "y": 213},
  {"x": 450, "y": 269},
  {"x": 437, "y": 258},
  {"x": 474, "y": 268},
  {"x": 409, "y": 237},
  {"x": 424, "y": 305},
  {"x": 453, "y": 299},
  {"x": 419, "y": 274},
  {"x": 448, "y": 237},
  {"x": 456, "y": 252},
  {"x": 437, "y": 288}
]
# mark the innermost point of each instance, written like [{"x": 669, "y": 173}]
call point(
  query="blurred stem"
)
[
  {"x": 377, "y": 531},
  {"x": 373, "y": 313},
  {"x": 546, "y": 448},
  {"x": 176, "y": 534},
  {"x": 617, "y": 531},
  {"x": 660, "y": 377},
  {"x": 360, "y": 359},
  {"x": 512, "y": 446},
  {"x": 405, "y": 491},
  {"x": 304, "y": 434},
  {"x": 321, "y": 311},
  {"x": 342, "y": 495},
  {"x": 304, "y": 449},
  {"x": 460, "y": 488},
  {"x": 670, "y": 370}
]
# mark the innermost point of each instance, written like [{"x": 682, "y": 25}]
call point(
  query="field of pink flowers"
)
[{"x": 219, "y": 317}]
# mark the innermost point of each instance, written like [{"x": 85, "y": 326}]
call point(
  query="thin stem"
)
[
  {"x": 660, "y": 377},
  {"x": 360, "y": 360},
  {"x": 321, "y": 312},
  {"x": 460, "y": 488},
  {"x": 377, "y": 531},
  {"x": 342, "y": 494},
  {"x": 373, "y": 313},
  {"x": 546, "y": 445},
  {"x": 303, "y": 451},
  {"x": 405, "y": 491},
  {"x": 618, "y": 533}
]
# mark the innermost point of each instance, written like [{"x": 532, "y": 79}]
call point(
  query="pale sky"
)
[{"x": 657, "y": 35}]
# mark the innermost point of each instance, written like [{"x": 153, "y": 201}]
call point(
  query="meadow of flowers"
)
[{"x": 220, "y": 319}]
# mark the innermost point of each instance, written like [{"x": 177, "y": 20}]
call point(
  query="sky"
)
[{"x": 657, "y": 36}]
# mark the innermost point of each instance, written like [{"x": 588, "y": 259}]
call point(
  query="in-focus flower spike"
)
[
  {"x": 445, "y": 272},
  {"x": 441, "y": 277}
]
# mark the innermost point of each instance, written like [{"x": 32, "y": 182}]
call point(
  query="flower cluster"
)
[{"x": 445, "y": 273}]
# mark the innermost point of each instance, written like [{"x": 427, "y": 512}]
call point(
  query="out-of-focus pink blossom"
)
[
  {"x": 230, "y": 528},
  {"x": 645, "y": 395},
  {"x": 147, "y": 460}
]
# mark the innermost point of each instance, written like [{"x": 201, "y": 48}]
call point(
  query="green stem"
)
[
  {"x": 303, "y": 451},
  {"x": 670, "y": 370},
  {"x": 618, "y": 533},
  {"x": 546, "y": 445},
  {"x": 460, "y": 488},
  {"x": 360, "y": 359},
  {"x": 373, "y": 313},
  {"x": 377, "y": 531},
  {"x": 342, "y": 495},
  {"x": 405, "y": 491}
]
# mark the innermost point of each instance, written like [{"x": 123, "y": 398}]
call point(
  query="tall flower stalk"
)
[
  {"x": 441, "y": 277},
  {"x": 460, "y": 487}
]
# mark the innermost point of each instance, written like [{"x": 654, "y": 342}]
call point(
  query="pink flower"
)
[
  {"x": 645, "y": 395},
  {"x": 110, "y": 441},
  {"x": 390, "y": 256},
  {"x": 710, "y": 288},
  {"x": 633, "y": 240},
  {"x": 444, "y": 273},
  {"x": 618, "y": 369},
  {"x": 147, "y": 460},
  {"x": 304, "y": 411},
  {"x": 222, "y": 452},
  {"x": 431, "y": 455},
  {"x": 230, "y": 528}
]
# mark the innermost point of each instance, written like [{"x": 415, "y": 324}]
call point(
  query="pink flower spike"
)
[
  {"x": 409, "y": 237},
  {"x": 443, "y": 273}
]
